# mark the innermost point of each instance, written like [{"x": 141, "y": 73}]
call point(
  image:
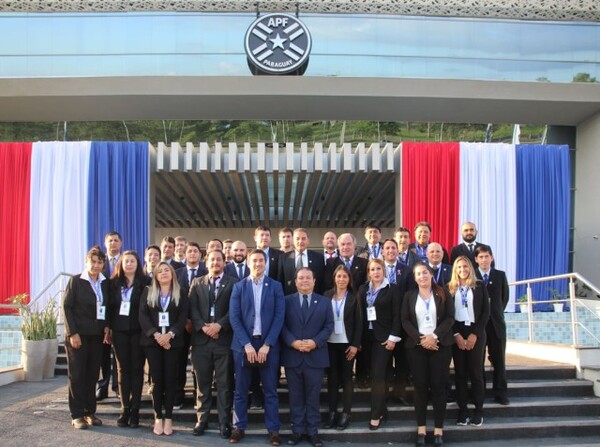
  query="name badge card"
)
[
  {"x": 163, "y": 319},
  {"x": 338, "y": 327},
  {"x": 371, "y": 314},
  {"x": 101, "y": 312},
  {"x": 212, "y": 311},
  {"x": 428, "y": 322},
  {"x": 125, "y": 308}
]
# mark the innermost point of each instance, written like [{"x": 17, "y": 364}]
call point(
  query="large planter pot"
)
[
  {"x": 558, "y": 307},
  {"x": 33, "y": 358},
  {"x": 51, "y": 356}
]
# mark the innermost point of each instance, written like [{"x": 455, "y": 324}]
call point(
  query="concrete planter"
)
[
  {"x": 33, "y": 358},
  {"x": 51, "y": 356}
]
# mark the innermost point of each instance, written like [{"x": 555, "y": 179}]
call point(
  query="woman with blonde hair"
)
[
  {"x": 163, "y": 313},
  {"x": 472, "y": 311}
]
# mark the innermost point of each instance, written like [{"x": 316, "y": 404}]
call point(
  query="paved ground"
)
[{"x": 27, "y": 419}]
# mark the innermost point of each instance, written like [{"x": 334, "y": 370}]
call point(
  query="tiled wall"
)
[{"x": 10, "y": 341}]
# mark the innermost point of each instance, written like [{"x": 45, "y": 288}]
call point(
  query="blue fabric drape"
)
[
  {"x": 118, "y": 193},
  {"x": 543, "y": 210}
]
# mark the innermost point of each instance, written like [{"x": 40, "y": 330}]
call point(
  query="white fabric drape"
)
[
  {"x": 59, "y": 187},
  {"x": 488, "y": 198}
]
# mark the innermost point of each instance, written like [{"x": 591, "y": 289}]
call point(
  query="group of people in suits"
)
[{"x": 244, "y": 314}]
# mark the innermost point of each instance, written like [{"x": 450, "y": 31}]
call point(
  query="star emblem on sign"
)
[{"x": 278, "y": 42}]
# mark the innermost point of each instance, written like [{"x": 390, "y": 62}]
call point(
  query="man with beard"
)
[
  {"x": 467, "y": 248},
  {"x": 329, "y": 246},
  {"x": 238, "y": 267}
]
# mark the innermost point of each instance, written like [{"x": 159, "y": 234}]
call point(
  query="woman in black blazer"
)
[
  {"x": 343, "y": 344},
  {"x": 86, "y": 328},
  {"x": 126, "y": 287},
  {"x": 163, "y": 313},
  {"x": 472, "y": 312},
  {"x": 427, "y": 319},
  {"x": 380, "y": 302}
]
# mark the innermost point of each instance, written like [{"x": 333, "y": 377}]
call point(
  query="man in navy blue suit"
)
[
  {"x": 256, "y": 312},
  {"x": 308, "y": 324},
  {"x": 238, "y": 267}
]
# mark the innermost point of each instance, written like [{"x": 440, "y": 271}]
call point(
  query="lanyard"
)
[
  {"x": 391, "y": 274},
  {"x": 97, "y": 290},
  {"x": 437, "y": 276},
  {"x": 422, "y": 252},
  {"x": 427, "y": 303},
  {"x": 339, "y": 308},
  {"x": 126, "y": 293},
  {"x": 371, "y": 296},
  {"x": 164, "y": 301},
  {"x": 464, "y": 292},
  {"x": 375, "y": 251}
]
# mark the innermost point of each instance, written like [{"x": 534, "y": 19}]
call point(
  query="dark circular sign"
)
[{"x": 278, "y": 44}]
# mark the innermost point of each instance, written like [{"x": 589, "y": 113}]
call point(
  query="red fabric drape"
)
[
  {"x": 431, "y": 188},
  {"x": 15, "y": 180}
]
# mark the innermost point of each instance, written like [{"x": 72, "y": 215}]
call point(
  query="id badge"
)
[
  {"x": 428, "y": 322},
  {"x": 125, "y": 307},
  {"x": 338, "y": 327},
  {"x": 371, "y": 314},
  {"x": 163, "y": 319},
  {"x": 101, "y": 312},
  {"x": 212, "y": 311}
]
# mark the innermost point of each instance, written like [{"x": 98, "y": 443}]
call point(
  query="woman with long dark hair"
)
[
  {"x": 427, "y": 319},
  {"x": 163, "y": 313},
  {"x": 343, "y": 344},
  {"x": 126, "y": 286}
]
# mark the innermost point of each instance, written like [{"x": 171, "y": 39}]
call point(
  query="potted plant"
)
[
  {"x": 522, "y": 301},
  {"x": 33, "y": 344},
  {"x": 557, "y": 299}
]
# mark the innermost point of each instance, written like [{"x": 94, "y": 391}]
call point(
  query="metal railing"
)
[{"x": 573, "y": 301}]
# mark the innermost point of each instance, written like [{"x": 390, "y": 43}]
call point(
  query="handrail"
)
[
  {"x": 572, "y": 299},
  {"x": 50, "y": 284}
]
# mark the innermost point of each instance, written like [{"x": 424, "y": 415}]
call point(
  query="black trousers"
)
[
  {"x": 163, "y": 370},
  {"x": 339, "y": 373},
  {"x": 379, "y": 361},
  {"x": 182, "y": 369},
  {"x": 108, "y": 370},
  {"x": 130, "y": 367},
  {"x": 468, "y": 366},
  {"x": 430, "y": 372},
  {"x": 496, "y": 347},
  {"x": 213, "y": 360},
  {"x": 401, "y": 370},
  {"x": 83, "y": 370}
]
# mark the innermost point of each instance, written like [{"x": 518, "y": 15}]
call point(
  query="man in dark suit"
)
[
  {"x": 211, "y": 343},
  {"x": 256, "y": 313},
  {"x": 441, "y": 272},
  {"x": 467, "y": 248},
  {"x": 262, "y": 238},
  {"x": 405, "y": 255},
  {"x": 167, "y": 249},
  {"x": 238, "y": 267},
  {"x": 497, "y": 286},
  {"x": 113, "y": 243},
  {"x": 356, "y": 264},
  {"x": 308, "y": 324},
  {"x": 374, "y": 246},
  {"x": 422, "y": 234},
  {"x": 300, "y": 257}
]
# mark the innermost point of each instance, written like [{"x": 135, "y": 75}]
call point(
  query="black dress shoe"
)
[
  {"x": 124, "y": 417},
  {"x": 294, "y": 439},
  {"x": 343, "y": 421},
  {"x": 502, "y": 400},
  {"x": 315, "y": 441},
  {"x": 225, "y": 431},
  {"x": 420, "y": 440},
  {"x": 92, "y": 419},
  {"x": 199, "y": 429},
  {"x": 438, "y": 441},
  {"x": 101, "y": 394},
  {"x": 330, "y": 420},
  {"x": 134, "y": 418}
]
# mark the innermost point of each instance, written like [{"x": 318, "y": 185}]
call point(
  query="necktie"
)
[
  {"x": 486, "y": 278},
  {"x": 471, "y": 248},
  {"x": 403, "y": 257},
  {"x": 241, "y": 271},
  {"x": 305, "y": 307},
  {"x": 113, "y": 262},
  {"x": 192, "y": 275},
  {"x": 299, "y": 264},
  {"x": 391, "y": 276},
  {"x": 347, "y": 263}
]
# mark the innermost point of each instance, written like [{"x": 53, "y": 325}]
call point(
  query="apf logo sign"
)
[{"x": 277, "y": 44}]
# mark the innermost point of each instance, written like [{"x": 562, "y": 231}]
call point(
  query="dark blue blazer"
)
[
  {"x": 242, "y": 313},
  {"x": 444, "y": 276},
  {"x": 318, "y": 327},
  {"x": 232, "y": 270}
]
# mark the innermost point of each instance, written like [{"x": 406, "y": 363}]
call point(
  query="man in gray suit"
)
[{"x": 211, "y": 342}]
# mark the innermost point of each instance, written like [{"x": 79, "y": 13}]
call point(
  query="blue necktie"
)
[
  {"x": 305, "y": 307},
  {"x": 347, "y": 262},
  {"x": 241, "y": 271},
  {"x": 486, "y": 278}
]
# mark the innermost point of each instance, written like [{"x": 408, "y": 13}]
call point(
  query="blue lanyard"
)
[
  {"x": 371, "y": 296},
  {"x": 164, "y": 302},
  {"x": 422, "y": 252},
  {"x": 427, "y": 303},
  {"x": 97, "y": 290},
  {"x": 439, "y": 272},
  {"x": 375, "y": 251},
  {"x": 339, "y": 308},
  {"x": 464, "y": 292},
  {"x": 391, "y": 274},
  {"x": 126, "y": 293}
]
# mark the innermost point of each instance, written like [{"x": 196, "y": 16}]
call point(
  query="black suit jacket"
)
[
  {"x": 274, "y": 255},
  {"x": 404, "y": 277},
  {"x": 413, "y": 247},
  {"x": 481, "y": 310},
  {"x": 200, "y": 309},
  {"x": 178, "y": 315},
  {"x": 387, "y": 307},
  {"x": 122, "y": 322},
  {"x": 182, "y": 278},
  {"x": 358, "y": 269},
  {"x": 498, "y": 292},
  {"x": 444, "y": 275},
  {"x": 79, "y": 307},
  {"x": 462, "y": 250},
  {"x": 287, "y": 270},
  {"x": 444, "y": 318},
  {"x": 411, "y": 258},
  {"x": 363, "y": 252},
  {"x": 353, "y": 318}
]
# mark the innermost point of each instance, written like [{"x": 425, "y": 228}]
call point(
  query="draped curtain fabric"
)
[
  {"x": 543, "y": 213},
  {"x": 430, "y": 188},
  {"x": 118, "y": 193},
  {"x": 489, "y": 199},
  {"x": 59, "y": 187},
  {"x": 15, "y": 176}
]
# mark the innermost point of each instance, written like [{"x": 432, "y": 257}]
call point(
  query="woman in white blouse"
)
[{"x": 472, "y": 311}]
